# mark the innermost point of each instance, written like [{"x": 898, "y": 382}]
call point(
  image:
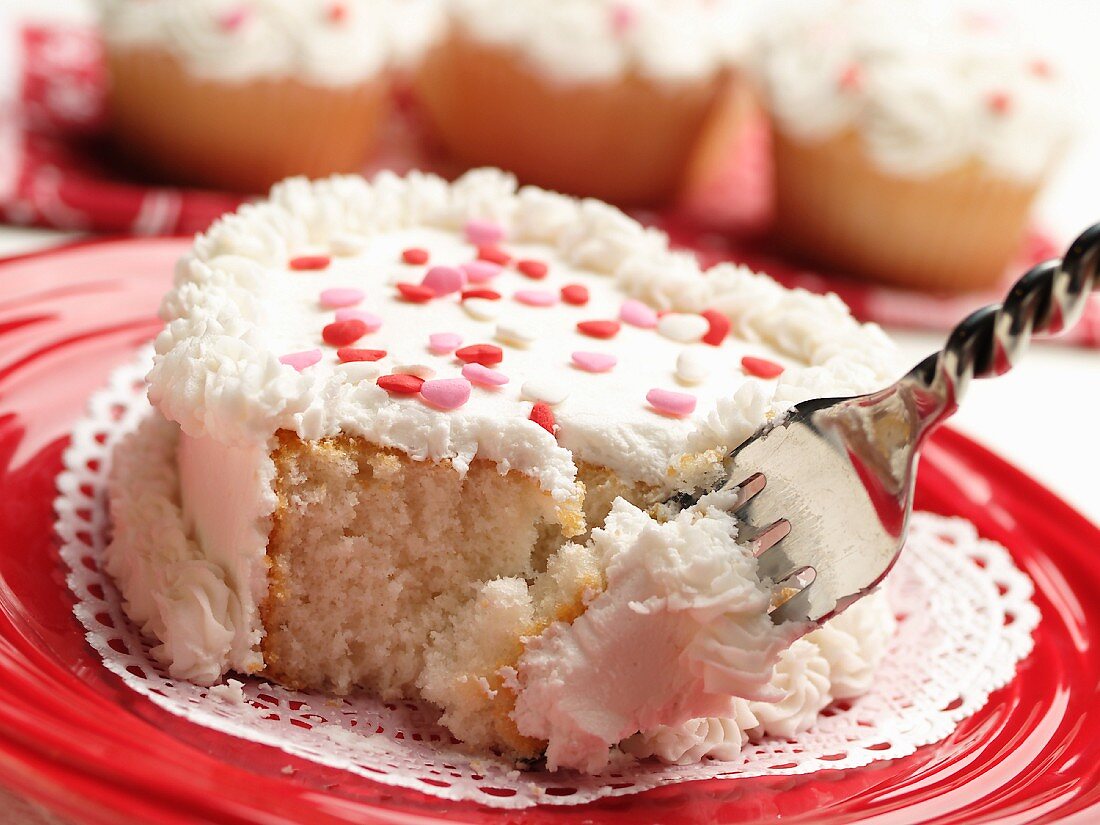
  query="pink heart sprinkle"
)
[
  {"x": 622, "y": 18},
  {"x": 638, "y": 314},
  {"x": 480, "y": 374},
  {"x": 233, "y": 19},
  {"x": 671, "y": 403},
  {"x": 443, "y": 280},
  {"x": 536, "y": 297},
  {"x": 481, "y": 272},
  {"x": 301, "y": 360},
  {"x": 372, "y": 321},
  {"x": 594, "y": 361},
  {"x": 341, "y": 297},
  {"x": 441, "y": 343},
  {"x": 446, "y": 393},
  {"x": 480, "y": 232}
]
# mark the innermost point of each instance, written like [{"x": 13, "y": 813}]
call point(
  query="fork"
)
[{"x": 824, "y": 492}]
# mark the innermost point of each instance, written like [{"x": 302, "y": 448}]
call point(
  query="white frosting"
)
[
  {"x": 195, "y": 600},
  {"x": 327, "y": 42},
  {"x": 836, "y": 661},
  {"x": 681, "y": 627},
  {"x": 928, "y": 86},
  {"x": 237, "y": 307},
  {"x": 579, "y": 41}
]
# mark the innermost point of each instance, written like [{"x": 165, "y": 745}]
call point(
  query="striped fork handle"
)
[{"x": 1048, "y": 299}]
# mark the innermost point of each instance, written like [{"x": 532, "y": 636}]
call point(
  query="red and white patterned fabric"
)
[{"x": 56, "y": 170}]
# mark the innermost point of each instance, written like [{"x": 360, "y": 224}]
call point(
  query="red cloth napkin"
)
[{"x": 57, "y": 171}]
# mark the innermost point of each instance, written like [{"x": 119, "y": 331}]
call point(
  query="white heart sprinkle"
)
[
  {"x": 347, "y": 244},
  {"x": 692, "y": 365},
  {"x": 353, "y": 372},
  {"x": 419, "y": 370},
  {"x": 679, "y": 326},
  {"x": 549, "y": 390},
  {"x": 481, "y": 309},
  {"x": 517, "y": 334}
]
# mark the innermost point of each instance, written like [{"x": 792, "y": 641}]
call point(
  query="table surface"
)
[{"x": 1040, "y": 416}]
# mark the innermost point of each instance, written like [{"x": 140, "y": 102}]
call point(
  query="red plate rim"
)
[{"x": 73, "y": 737}]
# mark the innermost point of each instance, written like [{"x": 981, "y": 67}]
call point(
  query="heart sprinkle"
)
[
  {"x": 480, "y": 272},
  {"x": 638, "y": 314},
  {"x": 575, "y": 294},
  {"x": 446, "y": 393},
  {"x": 547, "y": 389},
  {"x": 481, "y": 232},
  {"x": 440, "y": 343},
  {"x": 599, "y": 329},
  {"x": 301, "y": 360},
  {"x": 310, "y": 262},
  {"x": 761, "y": 367},
  {"x": 493, "y": 254},
  {"x": 719, "y": 327},
  {"x": 533, "y": 269},
  {"x": 482, "y": 309},
  {"x": 415, "y": 256},
  {"x": 682, "y": 327},
  {"x": 443, "y": 280},
  {"x": 349, "y": 354},
  {"x": 400, "y": 384},
  {"x": 536, "y": 297},
  {"x": 486, "y": 377},
  {"x": 677, "y": 404},
  {"x": 415, "y": 293},
  {"x": 484, "y": 354},
  {"x": 343, "y": 333},
  {"x": 594, "y": 361},
  {"x": 487, "y": 294},
  {"x": 341, "y": 297},
  {"x": 542, "y": 415}
]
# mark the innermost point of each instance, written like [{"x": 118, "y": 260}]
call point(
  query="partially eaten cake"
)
[{"x": 420, "y": 434}]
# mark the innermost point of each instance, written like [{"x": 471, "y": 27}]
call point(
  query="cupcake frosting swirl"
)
[{"x": 927, "y": 87}]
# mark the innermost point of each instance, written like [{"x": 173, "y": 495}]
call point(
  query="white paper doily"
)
[{"x": 965, "y": 620}]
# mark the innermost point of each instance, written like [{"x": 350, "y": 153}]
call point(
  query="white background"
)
[{"x": 1045, "y": 415}]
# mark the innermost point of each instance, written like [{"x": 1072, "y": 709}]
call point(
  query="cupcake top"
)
[
  {"x": 454, "y": 321},
  {"x": 328, "y": 42},
  {"x": 586, "y": 41},
  {"x": 928, "y": 86}
]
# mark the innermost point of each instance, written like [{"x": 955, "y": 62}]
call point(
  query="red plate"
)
[{"x": 74, "y": 737}]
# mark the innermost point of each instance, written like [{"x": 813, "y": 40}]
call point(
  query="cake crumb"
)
[
  {"x": 287, "y": 770},
  {"x": 231, "y": 692}
]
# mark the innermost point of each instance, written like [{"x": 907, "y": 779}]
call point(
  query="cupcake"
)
[
  {"x": 613, "y": 100},
  {"x": 910, "y": 139},
  {"x": 237, "y": 94}
]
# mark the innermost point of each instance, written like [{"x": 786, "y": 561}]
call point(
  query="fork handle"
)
[{"x": 1049, "y": 298}]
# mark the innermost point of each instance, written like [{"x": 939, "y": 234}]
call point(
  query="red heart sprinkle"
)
[
  {"x": 999, "y": 103},
  {"x": 542, "y": 415},
  {"x": 348, "y": 354},
  {"x": 415, "y": 293},
  {"x": 415, "y": 256},
  {"x": 487, "y": 294},
  {"x": 575, "y": 294},
  {"x": 761, "y": 367},
  {"x": 533, "y": 269},
  {"x": 304, "y": 262},
  {"x": 401, "y": 384},
  {"x": 599, "y": 329},
  {"x": 493, "y": 254},
  {"x": 343, "y": 333},
  {"x": 484, "y": 354},
  {"x": 337, "y": 13},
  {"x": 719, "y": 327}
]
